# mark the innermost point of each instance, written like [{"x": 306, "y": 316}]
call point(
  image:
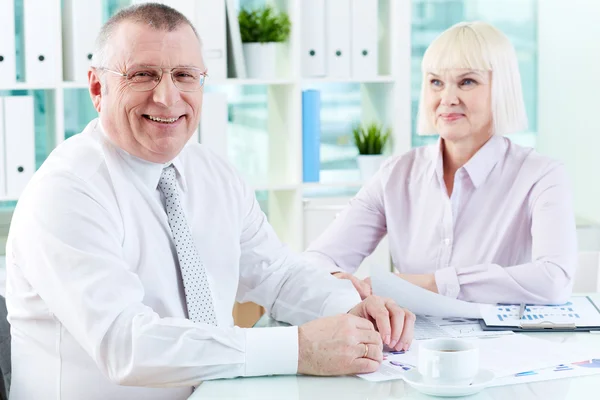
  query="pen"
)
[{"x": 521, "y": 310}]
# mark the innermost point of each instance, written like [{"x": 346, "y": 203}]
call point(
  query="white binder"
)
[
  {"x": 364, "y": 28},
  {"x": 236, "y": 64},
  {"x": 211, "y": 26},
  {"x": 337, "y": 35},
  {"x": 213, "y": 123},
  {"x": 81, "y": 23},
  {"x": 2, "y": 152},
  {"x": 42, "y": 39},
  {"x": 19, "y": 141},
  {"x": 313, "y": 38},
  {"x": 8, "y": 65}
]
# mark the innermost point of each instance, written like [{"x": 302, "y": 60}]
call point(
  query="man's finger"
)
[
  {"x": 373, "y": 351},
  {"x": 377, "y": 310},
  {"x": 408, "y": 332},
  {"x": 396, "y": 321},
  {"x": 369, "y": 337},
  {"x": 363, "y": 366},
  {"x": 362, "y": 323}
]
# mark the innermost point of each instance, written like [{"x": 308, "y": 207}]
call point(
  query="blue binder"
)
[{"x": 311, "y": 135}]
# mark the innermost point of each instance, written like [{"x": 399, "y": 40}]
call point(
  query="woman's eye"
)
[
  {"x": 436, "y": 82},
  {"x": 468, "y": 82}
]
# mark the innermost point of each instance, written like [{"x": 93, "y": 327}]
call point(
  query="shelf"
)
[
  {"x": 375, "y": 79},
  {"x": 29, "y": 86},
  {"x": 236, "y": 81},
  {"x": 320, "y": 185},
  {"x": 74, "y": 85}
]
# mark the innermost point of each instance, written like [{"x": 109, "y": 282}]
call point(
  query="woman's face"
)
[{"x": 459, "y": 103}]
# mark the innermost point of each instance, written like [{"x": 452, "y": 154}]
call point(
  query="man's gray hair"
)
[{"x": 155, "y": 15}]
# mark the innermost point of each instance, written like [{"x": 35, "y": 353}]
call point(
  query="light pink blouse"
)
[{"x": 506, "y": 234}]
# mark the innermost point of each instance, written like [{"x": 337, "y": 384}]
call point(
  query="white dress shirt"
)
[
  {"x": 94, "y": 292},
  {"x": 505, "y": 234}
]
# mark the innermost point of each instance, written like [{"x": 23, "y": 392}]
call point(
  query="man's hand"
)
[
  {"x": 426, "y": 281},
  {"x": 340, "y": 345},
  {"x": 362, "y": 287},
  {"x": 395, "y": 324}
]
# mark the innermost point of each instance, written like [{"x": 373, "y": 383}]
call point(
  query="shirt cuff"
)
[
  {"x": 271, "y": 351},
  {"x": 447, "y": 282},
  {"x": 320, "y": 261},
  {"x": 342, "y": 301}
]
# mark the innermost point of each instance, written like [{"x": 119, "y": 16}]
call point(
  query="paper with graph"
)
[{"x": 579, "y": 311}]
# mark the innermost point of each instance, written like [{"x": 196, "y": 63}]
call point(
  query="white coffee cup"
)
[{"x": 448, "y": 361}]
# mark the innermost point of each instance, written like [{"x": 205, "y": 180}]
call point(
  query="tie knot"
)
[{"x": 168, "y": 181}]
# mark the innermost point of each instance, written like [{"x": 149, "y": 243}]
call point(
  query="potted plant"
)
[
  {"x": 262, "y": 31},
  {"x": 370, "y": 141}
]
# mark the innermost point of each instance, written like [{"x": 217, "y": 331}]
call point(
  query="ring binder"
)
[{"x": 547, "y": 325}]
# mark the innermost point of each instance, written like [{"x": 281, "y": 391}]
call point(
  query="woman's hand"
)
[
  {"x": 362, "y": 287},
  {"x": 426, "y": 281}
]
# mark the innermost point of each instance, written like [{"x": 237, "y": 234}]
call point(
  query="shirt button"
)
[{"x": 447, "y": 241}]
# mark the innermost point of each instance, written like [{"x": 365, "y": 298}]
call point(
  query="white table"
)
[{"x": 350, "y": 387}]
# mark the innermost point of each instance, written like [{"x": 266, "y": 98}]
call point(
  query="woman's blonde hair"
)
[{"x": 479, "y": 46}]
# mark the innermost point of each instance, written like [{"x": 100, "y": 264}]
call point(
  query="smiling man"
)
[{"x": 130, "y": 246}]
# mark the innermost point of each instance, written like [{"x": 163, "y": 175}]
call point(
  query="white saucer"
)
[{"x": 482, "y": 380}]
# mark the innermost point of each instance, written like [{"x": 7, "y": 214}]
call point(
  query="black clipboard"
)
[{"x": 544, "y": 326}]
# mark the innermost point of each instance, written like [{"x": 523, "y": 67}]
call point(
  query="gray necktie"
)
[{"x": 195, "y": 282}]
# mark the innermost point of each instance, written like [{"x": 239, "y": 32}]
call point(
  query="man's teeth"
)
[{"x": 163, "y": 120}]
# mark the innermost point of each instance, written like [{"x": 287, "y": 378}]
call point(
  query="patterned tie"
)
[{"x": 195, "y": 282}]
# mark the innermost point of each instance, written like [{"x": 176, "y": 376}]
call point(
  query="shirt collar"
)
[
  {"x": 479, "y": 166},
  {"x": 149, "y": 172}
]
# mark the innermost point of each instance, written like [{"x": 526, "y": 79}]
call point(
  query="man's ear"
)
[{"x": 95, "y": 87}]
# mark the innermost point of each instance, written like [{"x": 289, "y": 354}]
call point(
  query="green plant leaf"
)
[
  {"x": 264, "y": 25},
  {"x": 370, "y": 139}
]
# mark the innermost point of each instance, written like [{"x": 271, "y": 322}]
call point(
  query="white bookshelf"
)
[{"x": 384, "y": 98}]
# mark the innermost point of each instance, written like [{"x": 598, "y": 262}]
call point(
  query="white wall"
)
[{"x": 569, "y": 94}]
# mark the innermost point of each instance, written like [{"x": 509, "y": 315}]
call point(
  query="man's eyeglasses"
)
[{"x": 145, "y": 78}]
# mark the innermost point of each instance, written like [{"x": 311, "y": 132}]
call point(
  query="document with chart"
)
[{"x": 579, "y": 312}]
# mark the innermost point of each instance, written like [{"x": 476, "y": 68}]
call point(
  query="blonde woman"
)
[{"x": 475, "y": 216}]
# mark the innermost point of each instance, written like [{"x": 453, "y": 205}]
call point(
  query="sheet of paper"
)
[
  {"x": 580, "y": 368},
  {"x": 578, "y": 310},
  {"x": 505, "y": 356},
  {"x": 423, "y": 302}
]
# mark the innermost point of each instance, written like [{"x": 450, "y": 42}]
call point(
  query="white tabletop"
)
[{"x": 350, "y": 387}]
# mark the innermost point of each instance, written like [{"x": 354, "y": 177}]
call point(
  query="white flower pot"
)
[
  {"x": 261, "y": 60},
  {"x": 368, "y": 165}
]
